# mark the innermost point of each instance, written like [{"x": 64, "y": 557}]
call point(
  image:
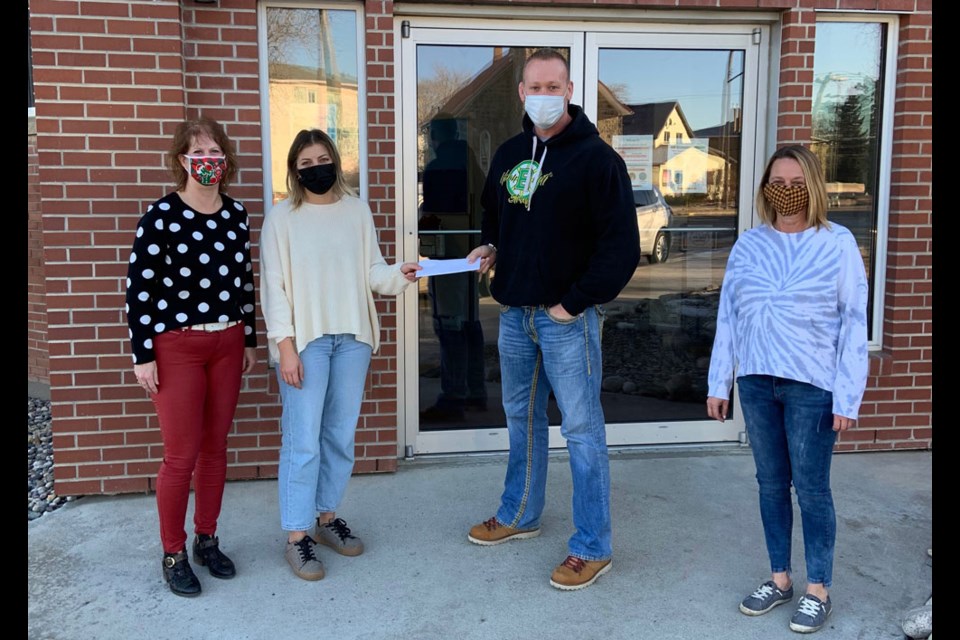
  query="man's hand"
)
[
  {"x": 557, "y": 312},
  {"x": 487, "y": 256}
]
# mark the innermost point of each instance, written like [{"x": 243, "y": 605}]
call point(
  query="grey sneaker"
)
[
  {"x": 303, "y": 560},
  {"x": 811, "y": 614},
  {"x": 766, "y": 597},
  {"x": 336, "y": 535}
]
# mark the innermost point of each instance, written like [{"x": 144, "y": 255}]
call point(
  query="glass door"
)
[
  {"x": 681, "y": 109},
  {"x": 460, "y": 103}
]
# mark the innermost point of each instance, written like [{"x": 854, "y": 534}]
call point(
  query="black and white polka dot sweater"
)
[{"x": 188, "y": 268}]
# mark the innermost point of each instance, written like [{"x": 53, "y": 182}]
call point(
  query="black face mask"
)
[{"x": 319, "y": 178}]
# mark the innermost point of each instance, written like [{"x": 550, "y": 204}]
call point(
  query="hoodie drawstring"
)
[{"x": 535, "y": 176}]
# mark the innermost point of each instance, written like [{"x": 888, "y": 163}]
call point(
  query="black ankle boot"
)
[
  {"x": 206, "y": 553},
  {"x": 179, "y": 575}
]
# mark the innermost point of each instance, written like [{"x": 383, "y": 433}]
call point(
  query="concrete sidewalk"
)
[{"x": 688, "y": 545}]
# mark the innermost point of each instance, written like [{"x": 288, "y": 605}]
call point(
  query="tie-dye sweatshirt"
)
[{"x": 794, "y": 305}]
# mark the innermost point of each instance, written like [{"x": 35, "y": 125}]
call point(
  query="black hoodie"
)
[{"x": 575, "y": 240}]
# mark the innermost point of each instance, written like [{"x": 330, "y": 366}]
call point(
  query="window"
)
[
  {"x": 666, "y": 137},
  {"x": 852, "y": 119},
  {"x": 314, "y": 72},
  {"x": 679, "y": 137}
]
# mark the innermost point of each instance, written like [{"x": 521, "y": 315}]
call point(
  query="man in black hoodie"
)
[{"x": 559, "y": 223}]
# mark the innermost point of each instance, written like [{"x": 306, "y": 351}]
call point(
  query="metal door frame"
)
[{"x": 584, "y": 44}]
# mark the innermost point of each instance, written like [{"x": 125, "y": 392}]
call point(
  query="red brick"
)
[
  {"x": 256, "y": 456},
  {"x": 63, "y": 472},
  {"x": 874, "y": 446},
  {"x": 77, "y": 487},
  {"x": 911, "y": 420},
  {"x": 893, "y": 434},
  {"x": 77, "y": 455},
  {"x": 242, "y": 473},
  {"x": 144, "y": 437},
  {"x": 911, "y": 444},
  {"x": 124, "y": 453},
  {"x": 126, "y": 485},
  {"x": 143, "y": 468},
  {"x": 858, "y": 435}
]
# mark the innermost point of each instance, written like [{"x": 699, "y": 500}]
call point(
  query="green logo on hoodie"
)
[{"x": 523, "y": 180}]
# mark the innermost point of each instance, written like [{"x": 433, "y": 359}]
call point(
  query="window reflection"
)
[
  {"x": 847, "y": 110},
  {"x": 467, "y": 105},
  {"x": 312, "y": 68},
  {"x": 679, "y": 135}
]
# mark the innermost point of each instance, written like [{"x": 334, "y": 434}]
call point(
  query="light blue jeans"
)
[
  {"x": 539, "y": 354},
  {"x": 319, "y": 423},
  {"x": 790, "y": 425}
]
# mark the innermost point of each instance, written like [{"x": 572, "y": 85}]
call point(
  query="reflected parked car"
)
[{"x": 653, "y": 221}]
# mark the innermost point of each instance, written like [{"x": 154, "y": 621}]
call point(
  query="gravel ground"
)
[{"x": 41, "y": 498}]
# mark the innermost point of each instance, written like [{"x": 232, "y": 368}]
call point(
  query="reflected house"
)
[
  {"x": 724, "y": 143},
  {"x": 313, "y": 98},
  {"x": 684, "y": 161},
  {"x": 487, "y": 104}
]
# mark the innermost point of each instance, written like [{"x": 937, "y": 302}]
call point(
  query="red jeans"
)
[{"x": 199, "y": 383}]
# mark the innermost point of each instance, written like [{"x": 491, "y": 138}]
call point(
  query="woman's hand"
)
[
  {"x": 147, "y": 376},
  {"x": 842, "y": 423},
  {"x": 409, "y": 270},
  {"x": 291, "y": 367},
  {"x": 249, "y": 359},
  {"x": 717, "y": 408}
]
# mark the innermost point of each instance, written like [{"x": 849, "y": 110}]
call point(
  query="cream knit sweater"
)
[{"x": 319, "y": 268}]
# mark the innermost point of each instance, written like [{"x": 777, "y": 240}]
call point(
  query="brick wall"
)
[
  {"x": 898, "y": 405},
  {"x": 38, "y": 364},
  {"x": 112, "y": 78}
]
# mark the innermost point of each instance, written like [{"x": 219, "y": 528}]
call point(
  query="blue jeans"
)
[
  {"x": 790, "y": 426},
  {"x": 319, "y": 422},
  {"x": 539, "y": 354}
]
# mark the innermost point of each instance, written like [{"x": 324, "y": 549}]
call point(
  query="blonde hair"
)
[
  {"x": 304, "y": 139},
  {"x": 812, "y": 176}
]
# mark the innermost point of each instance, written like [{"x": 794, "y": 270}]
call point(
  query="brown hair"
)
[
  {"x": 183, "y": 138},
  {"x": 812, "y": 176},
  {"x": 304, "y": 139},
  {"x": 547, "y": 54}
]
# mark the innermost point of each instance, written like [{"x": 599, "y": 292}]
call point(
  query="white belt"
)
[{"x": 213, "y": 326}]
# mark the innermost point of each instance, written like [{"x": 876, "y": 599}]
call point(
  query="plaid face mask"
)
[{"x": 787, "y": 200}]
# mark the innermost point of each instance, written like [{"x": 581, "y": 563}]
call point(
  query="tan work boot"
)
[
  {"x": 491, "y": 532},
  {"x": 575, "y": 573}
]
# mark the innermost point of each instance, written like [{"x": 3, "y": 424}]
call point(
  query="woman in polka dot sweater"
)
[
  {"x": 190, "y": 309},
  {"x": 320, "y": 266}
]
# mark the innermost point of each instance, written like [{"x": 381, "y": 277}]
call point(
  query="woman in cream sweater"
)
[{"x": 320, "y": 265}]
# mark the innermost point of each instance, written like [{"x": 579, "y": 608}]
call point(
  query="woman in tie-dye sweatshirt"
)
[{"x": 792, "y": 329}]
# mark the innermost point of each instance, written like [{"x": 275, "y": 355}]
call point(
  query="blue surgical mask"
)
[{"x": 544, "y": 111}]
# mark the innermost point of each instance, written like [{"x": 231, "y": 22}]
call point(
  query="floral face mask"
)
[{"x": 207, "y": 170}]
